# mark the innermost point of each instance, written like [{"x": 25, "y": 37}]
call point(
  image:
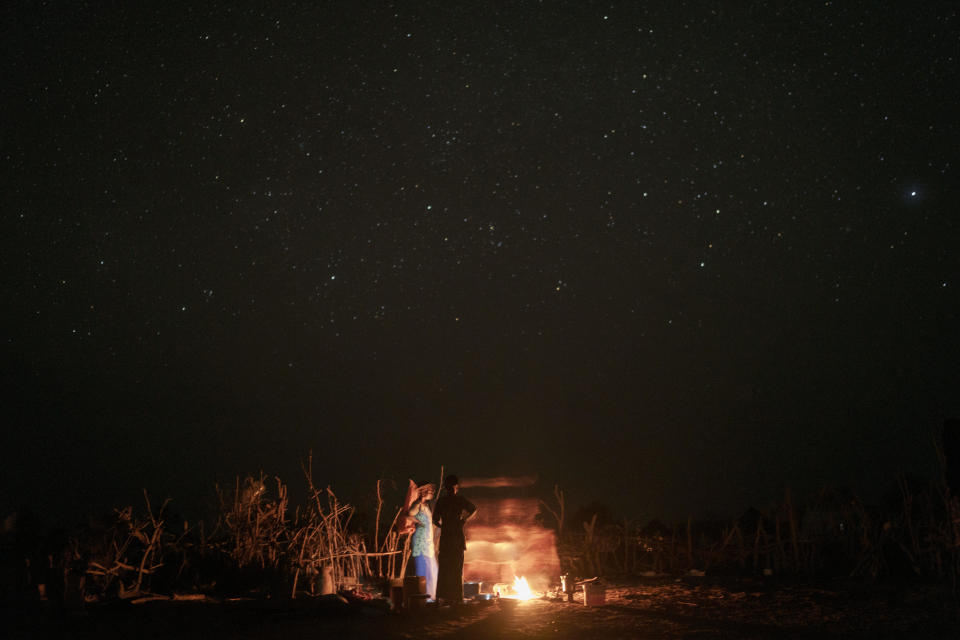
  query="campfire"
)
[
  {"x": 506, "y": 547},
  {"x": 521, "y": 589}
]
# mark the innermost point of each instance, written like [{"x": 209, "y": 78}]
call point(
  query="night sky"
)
[{"x": 676, "y": 256}]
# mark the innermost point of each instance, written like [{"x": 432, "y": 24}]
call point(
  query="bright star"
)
[{"x": 913, "y": 193}]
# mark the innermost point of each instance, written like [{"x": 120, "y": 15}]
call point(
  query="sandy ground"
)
[{"x": 651, "y": 608}]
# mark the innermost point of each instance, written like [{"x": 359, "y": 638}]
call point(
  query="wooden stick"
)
[
  {"x": 793, "y": 532},
  {"x": 376, "y": 530}
]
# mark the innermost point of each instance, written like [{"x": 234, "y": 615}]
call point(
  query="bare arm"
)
[{"x": 415, "y": 507}]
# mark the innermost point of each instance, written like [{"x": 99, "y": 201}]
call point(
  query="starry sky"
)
[{"x": 676, "y": 256}]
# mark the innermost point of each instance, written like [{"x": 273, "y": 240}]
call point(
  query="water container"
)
[
  {"x": 594, "y": 594},
  {"x": 412, "y": 587}
]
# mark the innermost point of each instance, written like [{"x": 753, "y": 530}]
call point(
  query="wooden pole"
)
[
  {"x": 756, "y": 545},
  {"x": 795, "y": 543},
  {"x": 626, "y": 544},
  {"x": 376, "y": 530}
]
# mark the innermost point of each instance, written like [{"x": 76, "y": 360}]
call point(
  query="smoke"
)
[{"x": 498, "y": 482}]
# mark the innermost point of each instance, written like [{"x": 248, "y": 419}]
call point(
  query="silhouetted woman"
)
[{"x": 452, "y": 511}]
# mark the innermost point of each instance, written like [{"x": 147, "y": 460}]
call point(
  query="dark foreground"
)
[{"x": 651, "y": 608}]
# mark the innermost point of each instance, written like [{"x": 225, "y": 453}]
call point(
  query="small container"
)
[
  {"x": 396, "y": 596},
  {"x": 594, "y": 594},
  {"x": 417, "y": 602},
  {"x": 471, "y": 589},
  {"x": 567, "y": 586},
  {"x": 413, "y": 586}
]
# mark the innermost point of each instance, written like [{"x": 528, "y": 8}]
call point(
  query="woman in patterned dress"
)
[{"x": 421, "y": 542}]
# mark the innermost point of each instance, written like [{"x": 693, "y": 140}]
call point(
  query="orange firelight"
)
[
  {"x": 521, "y": 589},
  {"x": 507, "y": 546}
]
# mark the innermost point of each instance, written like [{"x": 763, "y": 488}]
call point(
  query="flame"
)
[
  {"x": 521, "y": 589},
  {"x": 506, "y": 540}
]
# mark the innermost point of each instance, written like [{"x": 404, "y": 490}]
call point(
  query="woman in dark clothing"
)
[{"x": 451, "y": 512}]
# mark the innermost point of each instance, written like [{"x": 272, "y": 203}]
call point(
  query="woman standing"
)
[
  {"x": 421, "y": 543},
  {"x": 452, "y": 511}
]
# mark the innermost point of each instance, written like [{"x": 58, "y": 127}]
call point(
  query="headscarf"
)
[{"x": 409, "y": 523}]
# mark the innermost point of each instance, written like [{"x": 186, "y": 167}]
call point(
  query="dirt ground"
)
[{"x": 648, "y": 608}]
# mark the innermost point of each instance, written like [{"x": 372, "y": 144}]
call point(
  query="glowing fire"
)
[
  {"x": 521, "y": 590},
  {"x": 506, "y": 540}
]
